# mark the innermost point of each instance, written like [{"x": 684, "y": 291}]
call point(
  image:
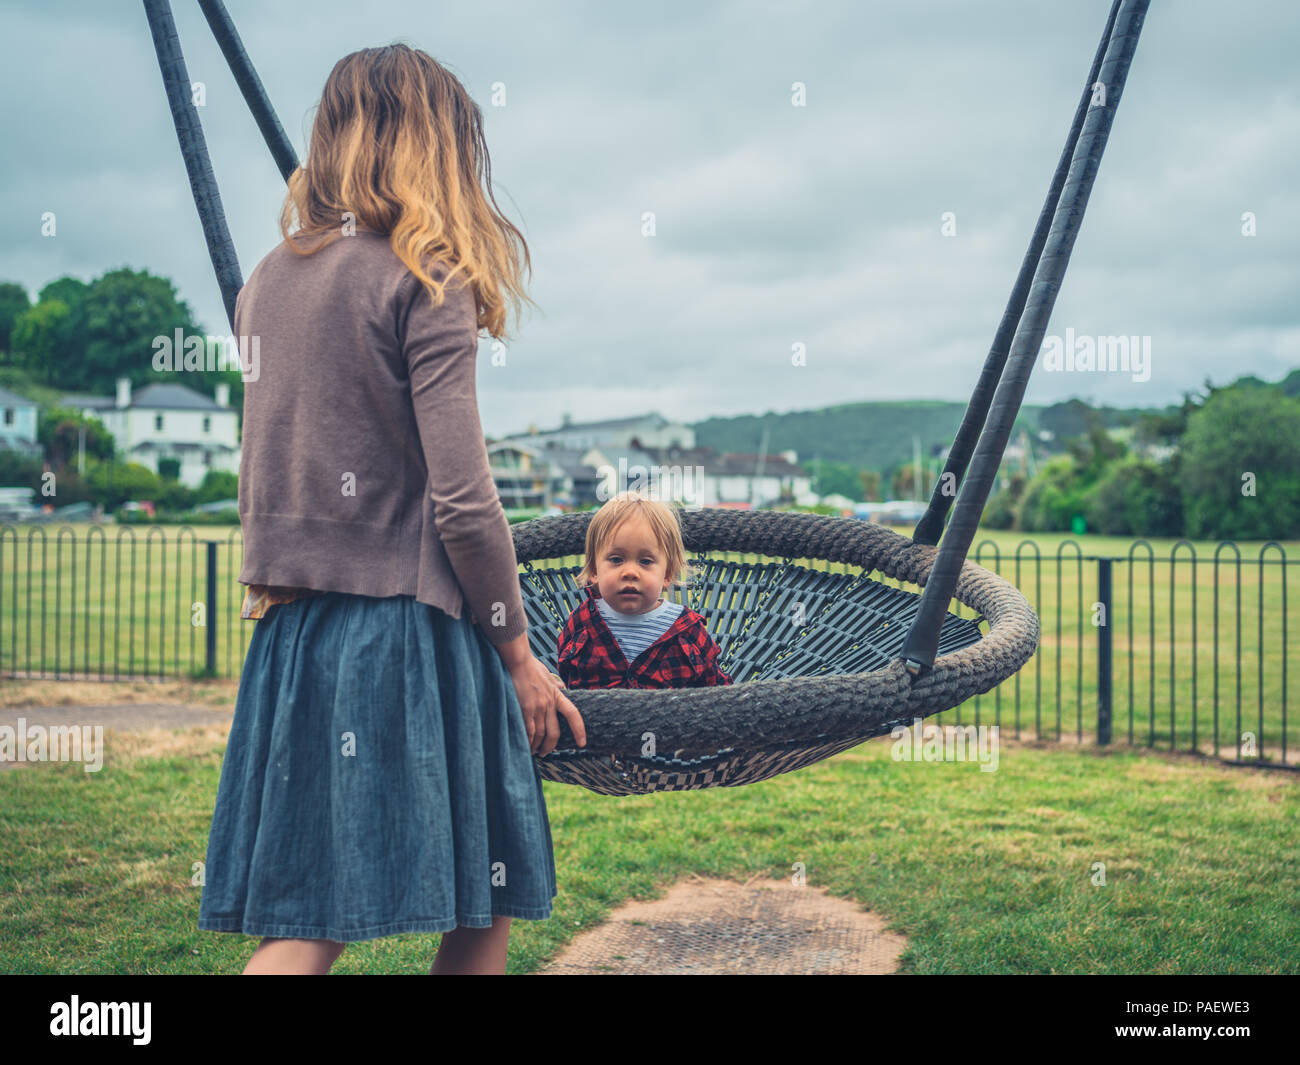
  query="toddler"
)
[{"x": 626, "y": 634}]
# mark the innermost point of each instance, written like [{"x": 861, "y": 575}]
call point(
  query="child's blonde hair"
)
[{"x": 663, "y": 522}]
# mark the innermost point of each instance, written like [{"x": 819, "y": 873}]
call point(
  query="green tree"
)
[
  {"x": 217, "y": 484},
  {"x": 1054, "y": 496},
  {"x": 1067, "y": 419},
  {"x": 836, "y": 478},
  {"x": 904, "y": 483},
  {"x": 67, "y": 488},
  {"x": 1250, "y": 380},
  {"x": 59, "y": 431},
  {"x": 1094, "y": 450},
  {"x": 869, "y": 483},
  {"x": 1137, "y": 498},
  {"x": 13, "y": 302},
  {"x": 69, "y": 341},
  {"x": 173, "y": 495},
  {"x": 36, "y": 339},
  {"x": 1165, "y": 426},
  {"x": 1002, "y": 509},
  {"x": 1241, "y": 466},
  {"x": 1061, "y": 490},
  {"x": 125, "y": 310},
  {"x": 20, "y": 471},
  {"x": 116, "y": 482}
]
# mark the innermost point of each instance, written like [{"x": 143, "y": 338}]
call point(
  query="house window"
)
[
  {"x": 207, "y": 458},
  {"x": 207, "y": 423},
  {"x": 9, "y": 415},
  {"x": 157, "y": 422}
]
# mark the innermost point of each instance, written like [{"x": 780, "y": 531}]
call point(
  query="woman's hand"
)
[{"x": 541, "y": 698}]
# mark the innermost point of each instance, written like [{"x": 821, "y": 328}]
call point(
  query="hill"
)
[{"x": 877, "y": 435}]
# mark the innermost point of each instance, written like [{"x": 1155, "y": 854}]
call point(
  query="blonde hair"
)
[
  {"x": 398, "y": 143},
  {"x": 664, "y": 525}
]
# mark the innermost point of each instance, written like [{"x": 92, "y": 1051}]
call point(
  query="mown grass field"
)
[
  {"x": 983, "y": 872},
  {"x": 72, "y": 599}
]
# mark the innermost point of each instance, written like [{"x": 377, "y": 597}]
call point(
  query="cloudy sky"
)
[{"x": 776, "y": 224}]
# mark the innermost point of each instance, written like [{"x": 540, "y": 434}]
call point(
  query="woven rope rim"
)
[{"x": 764, "y": 712}]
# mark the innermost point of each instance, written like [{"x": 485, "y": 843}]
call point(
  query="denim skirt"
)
[{"x": 378, "y": 780}]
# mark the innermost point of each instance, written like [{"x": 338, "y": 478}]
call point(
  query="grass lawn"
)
[
  {"x": 80, "y": 607},
  {"x": 984, "y": 872}
]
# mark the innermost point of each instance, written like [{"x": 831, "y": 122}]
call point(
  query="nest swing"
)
[{"x": 821, "y": 661}]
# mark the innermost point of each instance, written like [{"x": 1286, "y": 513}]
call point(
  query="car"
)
[
  {"x": 19, "y": 512},
  {"x": 75, "y": 512}
]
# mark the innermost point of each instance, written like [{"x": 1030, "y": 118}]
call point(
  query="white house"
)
[
  {"x": 583, "y": 463},
  {"x": 18, "y": 424},
  {"x": 167, "y": 420}
]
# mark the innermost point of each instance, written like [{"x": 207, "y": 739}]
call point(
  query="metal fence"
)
[
  {"x": 1130, "y": 654},
  {"x": 1127, "y": 653},
  {"x": 148, "y": 603}
]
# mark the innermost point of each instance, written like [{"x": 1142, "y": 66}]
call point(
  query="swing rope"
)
[{"x": 1120, "y": 44}]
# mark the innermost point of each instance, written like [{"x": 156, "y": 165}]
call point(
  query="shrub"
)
[
  {"x": 1053, "y": 497},
  {"x": 1136, "y": 498},
  {"x": 1241, "y": 466},
  {"x": 1003, "y": 508}
]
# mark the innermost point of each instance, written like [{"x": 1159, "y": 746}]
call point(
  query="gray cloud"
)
[{"x": 775, "y": 224}]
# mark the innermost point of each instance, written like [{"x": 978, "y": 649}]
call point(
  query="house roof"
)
[
  {"x": 174, "y": 397},
  {"x": 569, "y": 459},
  {"x": 11, "y": 399},
  {"x": 682, "y": 456},
  {"x": 158, "y": 396},
  {"x": 654, "y": 418},
  {"x": 514, "y": 445},
  {"x": 747, "y": 464},
  {"x": 732, "y": 464}
]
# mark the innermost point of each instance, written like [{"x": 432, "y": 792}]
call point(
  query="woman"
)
[{"x": 379, "y": 777}]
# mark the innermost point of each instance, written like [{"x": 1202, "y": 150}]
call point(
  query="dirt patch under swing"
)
[{"x": 761, "y": 926}]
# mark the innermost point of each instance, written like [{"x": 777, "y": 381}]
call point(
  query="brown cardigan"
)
[{"x": 364, "y": 467}]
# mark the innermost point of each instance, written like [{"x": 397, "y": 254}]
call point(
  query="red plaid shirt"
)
[{"x": 685, "y": 656}]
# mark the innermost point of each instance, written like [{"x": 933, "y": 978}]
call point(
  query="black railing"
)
[
  {"x": 147, "y": 603},
  {"x": 1135, "y": 665},
  {"x": 1131, "y": 659}
]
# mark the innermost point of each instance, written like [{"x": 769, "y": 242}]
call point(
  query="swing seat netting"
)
[
  {"x": 814, "y": 655},
  {"x": 821, "y": 660}
]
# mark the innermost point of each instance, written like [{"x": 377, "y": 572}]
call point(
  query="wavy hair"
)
[{"x": 398, "y": 143}]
